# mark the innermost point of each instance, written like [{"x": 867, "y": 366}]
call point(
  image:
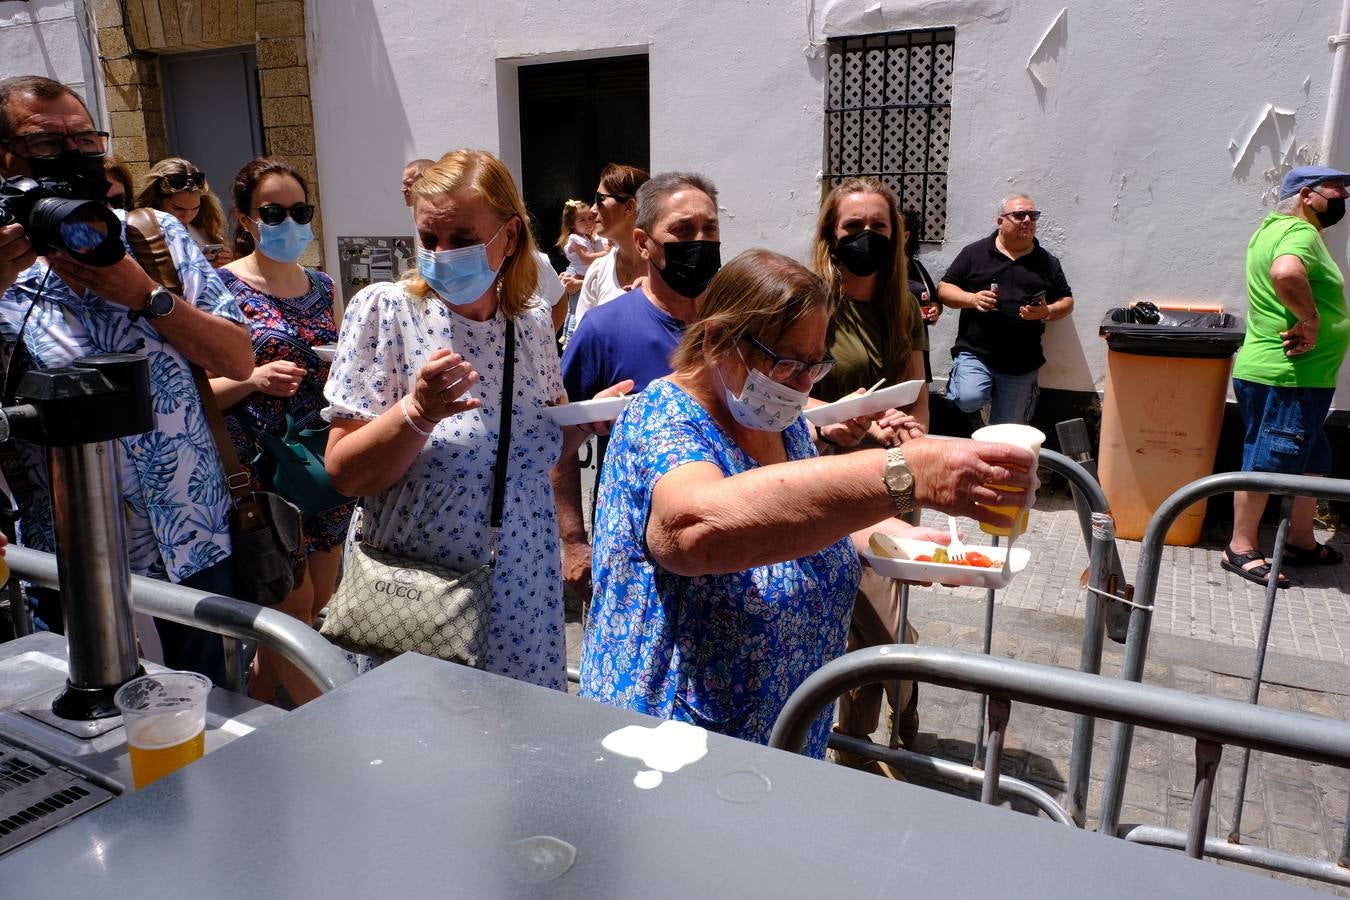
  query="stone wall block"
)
[{"x": 289, "y": 82}]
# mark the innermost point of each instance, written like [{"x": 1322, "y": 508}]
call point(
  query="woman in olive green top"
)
[{"x": 876, "y": 332}]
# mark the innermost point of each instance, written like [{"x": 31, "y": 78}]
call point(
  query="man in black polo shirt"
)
[{"x": 1006, "y": 287}]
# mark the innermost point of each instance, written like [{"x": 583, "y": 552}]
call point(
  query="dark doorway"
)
[
  {"x": 213, "y": 114},
  {"x": 574, "y": 118}
]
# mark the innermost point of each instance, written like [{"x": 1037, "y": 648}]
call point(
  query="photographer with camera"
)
[{"x": 71, "y": 288}]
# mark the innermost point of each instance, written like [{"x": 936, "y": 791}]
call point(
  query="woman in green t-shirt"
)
[
  {"x": 877, "y": 329},
  {"x": 876, "y": 332}
]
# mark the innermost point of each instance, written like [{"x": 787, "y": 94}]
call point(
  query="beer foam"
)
[{"x": 154, "y": 732}]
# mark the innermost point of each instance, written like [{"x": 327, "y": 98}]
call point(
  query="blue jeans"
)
[
  {"x": 971, "y": 384},
  {"x": 1283, "y": 428}
]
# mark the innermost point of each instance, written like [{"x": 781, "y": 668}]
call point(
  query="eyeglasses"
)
[
  {"x": 191, "y": 180},
  {"x": 275, "y": 213},
  {"x": 1017, "y": 215},
  {"x": 786, "y": 369},
  {"x": 44, "y": 144},
  {"x": 601, "y": 197}
]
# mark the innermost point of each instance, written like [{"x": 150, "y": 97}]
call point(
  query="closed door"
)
[{"x": 212, "y": 112}]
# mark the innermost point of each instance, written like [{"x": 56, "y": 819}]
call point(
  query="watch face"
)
[{"x": 160, "y": 303}]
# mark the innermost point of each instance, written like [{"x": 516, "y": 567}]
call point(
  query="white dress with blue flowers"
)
[
  {"x": 438, "y": 511},
  {"x": 721, "y": 651}
]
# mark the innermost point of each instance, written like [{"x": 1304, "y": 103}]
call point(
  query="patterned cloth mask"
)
[{"x": 764, "y": 404}]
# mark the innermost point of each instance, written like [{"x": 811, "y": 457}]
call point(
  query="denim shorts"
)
[{"x": 1283, "y": 428}]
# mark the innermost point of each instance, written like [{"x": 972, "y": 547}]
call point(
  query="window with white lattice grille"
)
[{"x": 888, "y": 114}]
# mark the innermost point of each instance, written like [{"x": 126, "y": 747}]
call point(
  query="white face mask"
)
[{"x": 764, "y": 404}]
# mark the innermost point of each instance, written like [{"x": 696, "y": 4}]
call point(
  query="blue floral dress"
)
[
  {"x": 721, "y": 651},
  {"x": 438, "y": 511}
]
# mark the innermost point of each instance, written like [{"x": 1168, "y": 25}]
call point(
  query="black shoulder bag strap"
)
[{"x": 502, "y": 462}]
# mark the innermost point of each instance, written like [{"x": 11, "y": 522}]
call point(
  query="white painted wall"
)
[
  {"x": 1127, "y": 149},
  {"x": 51, "y": 38}
]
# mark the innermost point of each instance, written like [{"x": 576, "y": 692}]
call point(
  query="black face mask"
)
[
  {"x": 1334, "y": 212},
  {"x": 864, "y": 253},
  {"x": 690, "y": 265},
  {"x": 82, "y": 172}
]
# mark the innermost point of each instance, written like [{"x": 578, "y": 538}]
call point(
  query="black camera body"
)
[{"x": 56, "y": 215}]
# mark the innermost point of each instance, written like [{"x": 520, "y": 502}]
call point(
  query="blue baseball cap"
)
[{"x": 1296, "y": 180}]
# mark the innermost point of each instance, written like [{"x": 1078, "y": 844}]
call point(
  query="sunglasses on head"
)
[
  {"x": 191, "y": 180},
  {"x": 1017, "y": 215},
  {"x": 275, "y": 213}
]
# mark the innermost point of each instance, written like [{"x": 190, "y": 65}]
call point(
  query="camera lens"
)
[{"x": 86, "y": 230}]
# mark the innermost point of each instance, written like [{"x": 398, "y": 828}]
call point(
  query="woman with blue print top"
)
[{"x": 725, "y": 560}]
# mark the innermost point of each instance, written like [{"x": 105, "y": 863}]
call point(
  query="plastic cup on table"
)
[
  {"x": 1020, "y": 436},
  {"x": 165, "y": 720}
]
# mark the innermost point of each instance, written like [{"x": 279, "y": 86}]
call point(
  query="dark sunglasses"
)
[
  {"x": 191, "y": 180},
  {"x": 45, "y": 144},
  {"x": 785, "y": 368},
  {"x": 1017, "y": 215},
  {"x": 601, "y": 197},
  {"x": 275, "y": 213}
]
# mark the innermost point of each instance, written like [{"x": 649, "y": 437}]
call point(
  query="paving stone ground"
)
[{"x": 1205, "y": 631}]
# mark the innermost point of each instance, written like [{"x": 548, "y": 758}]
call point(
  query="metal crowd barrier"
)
[
  {"x": 1136, "y": 648},
  {"x": 1213, "y": 722},
  {"x": 1105, "y": 579},
  {"x": 321, "y": 662}
]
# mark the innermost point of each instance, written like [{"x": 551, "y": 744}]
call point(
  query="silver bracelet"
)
[{"x": 403, "y": 408}]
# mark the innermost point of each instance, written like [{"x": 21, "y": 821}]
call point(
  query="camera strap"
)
[{"x": 151, "y": 250}]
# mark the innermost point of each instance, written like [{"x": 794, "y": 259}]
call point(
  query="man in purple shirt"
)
[{"x": 631, "y": 337}]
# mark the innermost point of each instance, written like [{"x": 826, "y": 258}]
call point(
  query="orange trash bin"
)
[{"x": 1167, "y": 374}]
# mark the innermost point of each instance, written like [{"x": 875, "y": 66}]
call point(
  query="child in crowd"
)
[
  {"x": 578, "y": 243},
  {"x": 577, "y": 239}
]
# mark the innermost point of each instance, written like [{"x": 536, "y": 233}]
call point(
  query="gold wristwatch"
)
[{"x": 899, "y": 481}]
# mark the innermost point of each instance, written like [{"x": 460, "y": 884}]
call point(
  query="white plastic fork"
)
[{"x": 956, "y": 550}]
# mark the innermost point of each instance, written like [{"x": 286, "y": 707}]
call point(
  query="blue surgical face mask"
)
[
  {"x": 284, "y": 241},
  {"x": 460, "y": 275}
]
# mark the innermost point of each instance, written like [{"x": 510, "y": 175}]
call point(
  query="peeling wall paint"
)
[{"x": 1128, "y": 146}]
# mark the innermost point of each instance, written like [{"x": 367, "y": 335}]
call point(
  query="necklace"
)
[{"x": 626, "y": 272}]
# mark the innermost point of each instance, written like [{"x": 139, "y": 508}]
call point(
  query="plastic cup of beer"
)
[
  {"x": 1020, "y": 436},
  {"x": 165, "y": 719}
]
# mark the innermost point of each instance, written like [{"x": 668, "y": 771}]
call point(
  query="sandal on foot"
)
[
  {"x": 1234, "y": 562},
  {"x": 1316, "y": 555}
]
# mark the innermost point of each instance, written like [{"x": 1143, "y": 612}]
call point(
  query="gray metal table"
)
[{"x": 413, "y": 780}]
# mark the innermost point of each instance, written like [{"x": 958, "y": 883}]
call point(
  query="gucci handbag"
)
[{"x": 387, "y": 604}]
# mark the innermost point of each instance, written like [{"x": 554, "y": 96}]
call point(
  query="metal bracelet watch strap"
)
[{"x": 899, "y": 481}]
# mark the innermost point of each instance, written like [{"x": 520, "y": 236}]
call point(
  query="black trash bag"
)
[{"x": 1146, "y": 330}]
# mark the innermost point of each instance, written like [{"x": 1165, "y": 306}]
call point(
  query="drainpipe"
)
[{"x": 1335, "y": 97}]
